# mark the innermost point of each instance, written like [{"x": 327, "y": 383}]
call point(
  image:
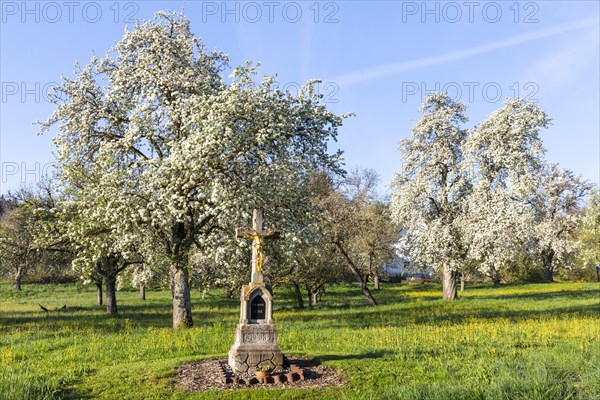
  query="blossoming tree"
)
[
  {"x": 185, "y": 154},
  {"x": 557, "y": 213},
  {"x": 503, "y": 156},
  {"x": 588, "y": 237},
  {"x": 430, "y": 188}
]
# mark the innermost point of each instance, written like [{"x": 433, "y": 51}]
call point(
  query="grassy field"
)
[{"x": 538, "y": 341}]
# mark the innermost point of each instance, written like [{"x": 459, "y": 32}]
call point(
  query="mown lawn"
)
[{"x": 537, "y": 341}]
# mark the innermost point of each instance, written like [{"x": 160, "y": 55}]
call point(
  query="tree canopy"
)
[{"x": 168, "y": 154}]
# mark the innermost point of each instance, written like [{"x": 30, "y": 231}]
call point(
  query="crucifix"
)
[
  {"x": 256, "y": 335},
  {"x": 258, "y": 236}
]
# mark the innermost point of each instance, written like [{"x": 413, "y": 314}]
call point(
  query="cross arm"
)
[
  {"x": 244, "y": 233},
  {"x": 252, "y": 234}
]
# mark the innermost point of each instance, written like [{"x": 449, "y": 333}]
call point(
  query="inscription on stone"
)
[{"x": 258, "y": 337}]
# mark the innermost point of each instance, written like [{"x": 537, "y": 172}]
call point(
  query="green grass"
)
[{"x": 538, "y": 341}]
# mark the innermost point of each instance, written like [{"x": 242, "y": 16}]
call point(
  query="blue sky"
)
[{"x": 377, "y": 59}]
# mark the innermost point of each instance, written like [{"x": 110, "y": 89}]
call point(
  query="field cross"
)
[{"x": 258, "y": 236}]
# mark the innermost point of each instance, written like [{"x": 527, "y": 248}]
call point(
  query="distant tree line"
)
[{"x": 22, "y": 216}]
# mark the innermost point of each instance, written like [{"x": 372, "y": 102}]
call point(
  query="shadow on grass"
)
[
  {"x": 94, "y": 317},
  {"x": 70, "y": 393},
  {"x": 90, "y": 318},
  {"x": 107, "y": 323},
  {"x": 491, "y": 313},
  {"x": 342, "y": 308},
  {"x": 582, "y": 294},
  {"x": 422, "y": 287},
  {"x": 363, "y": 356},
  {"x": 437, "y": 314}
]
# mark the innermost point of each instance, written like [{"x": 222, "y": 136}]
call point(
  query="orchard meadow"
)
[{"x": 532, "y": 341}]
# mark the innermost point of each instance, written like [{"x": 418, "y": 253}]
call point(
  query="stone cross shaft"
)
[{"x": 258, "y": 235}]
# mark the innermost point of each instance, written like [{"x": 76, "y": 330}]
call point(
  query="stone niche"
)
[{"x": 256, "y": 335}]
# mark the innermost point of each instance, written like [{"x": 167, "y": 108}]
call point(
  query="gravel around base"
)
[{"x": 206, "y": 375}]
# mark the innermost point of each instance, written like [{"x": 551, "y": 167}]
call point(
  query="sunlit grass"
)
[{"x": 512, "y": 342}]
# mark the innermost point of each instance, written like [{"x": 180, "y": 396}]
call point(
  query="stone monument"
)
[{"x": 255, "y": 335}]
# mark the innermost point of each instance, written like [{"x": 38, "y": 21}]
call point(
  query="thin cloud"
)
[
  {"x": 392, "y": 69},
  {"x": 566, "y": 64}
]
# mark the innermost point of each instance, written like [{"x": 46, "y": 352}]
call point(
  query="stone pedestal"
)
[{"x": 256, "y": 335}]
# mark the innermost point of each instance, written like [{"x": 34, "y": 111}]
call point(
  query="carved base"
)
[{"x": 255, "y": 344}]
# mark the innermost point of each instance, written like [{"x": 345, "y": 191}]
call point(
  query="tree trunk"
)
[
  {"x": 182, "y": 304},
  {"x": 99, "y": 292},
  {"x": 366, "y": 292},
  {"x": 462, "y": 282},
  {"x": 314, "y": 298},
  {"x": 18, "y": 278},
  {"x": 299, "y": 298},
  {"x": 111, "y": 296},
  {"x": 374, "y": 272},
  {"x": 370, "y": 300},
  {"x": 143, "y": 292},
  {"x": 365, "y": 281},
  {"x": 310, "y": 297},
  {"x": 319, "y": 293},
  {"x": 495, "y": 277},
  {"x": 369, "y": 271},
  {"x": 496, "y": 280},
  {"x": 449, "y": 283},
  {"x": 547, "y": 258}
]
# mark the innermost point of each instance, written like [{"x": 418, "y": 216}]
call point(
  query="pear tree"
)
[
  {"x": 503, "y": 157},
  {"x": 185, "y": 153},
  {"x": 557, "y": 211},
  {"x": 431, "y": 187},
  {"x": 588, "y": 236}
]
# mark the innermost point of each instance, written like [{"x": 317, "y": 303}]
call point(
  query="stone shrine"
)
[{"x": 255, "y": 336}]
